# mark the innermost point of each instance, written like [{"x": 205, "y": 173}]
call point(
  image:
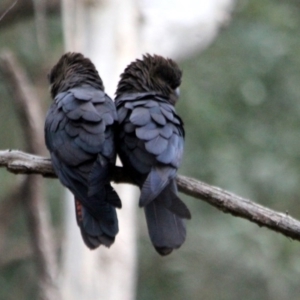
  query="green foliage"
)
[{"x": 240, "y": 105}]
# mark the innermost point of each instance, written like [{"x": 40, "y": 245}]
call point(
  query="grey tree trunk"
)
[{"x": 106, "y": 32}]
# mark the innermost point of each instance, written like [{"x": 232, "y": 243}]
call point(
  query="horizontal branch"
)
[
  {"x": 240, "y": 207},
  {"x": 23, "y": 163},
  {"x": 19, "y": 162}
]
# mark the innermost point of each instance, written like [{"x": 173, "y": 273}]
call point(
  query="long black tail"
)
[
  {"x": 165, "y": 219},
  {"x": 100, "y": 226}
]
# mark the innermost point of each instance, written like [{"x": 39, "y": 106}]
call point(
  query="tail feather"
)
[
  {"x": 112, "y": 197},
  {"x": 155, "y": 182},
  {"x": 168, "y": 198},
  {"x": 165, "y": 219},
  {"x": 97, "y": 231},
  {"x": 166, "y": 230}
]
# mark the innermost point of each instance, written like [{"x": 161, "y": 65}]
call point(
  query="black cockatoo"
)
[
  {"x": 150, "y": 140},
  {"x": 79, "y": 133}
]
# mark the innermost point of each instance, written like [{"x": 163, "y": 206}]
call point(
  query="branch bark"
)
[{"x": 23, "y": 163}]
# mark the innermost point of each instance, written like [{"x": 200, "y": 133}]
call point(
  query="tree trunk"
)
[{"x": 104, "y": 31}]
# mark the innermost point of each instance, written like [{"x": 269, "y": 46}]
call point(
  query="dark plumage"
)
[
  {"x": 79, "y": 133},
  {"x": 150, "y": 143}
]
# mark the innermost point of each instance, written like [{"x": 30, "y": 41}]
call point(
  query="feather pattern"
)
[
  {"x": 79, "y": 133},
  {"x": 150, "y": 141}
]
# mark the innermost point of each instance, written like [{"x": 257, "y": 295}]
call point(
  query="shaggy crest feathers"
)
[
  {"x": 71, "y": 70},
  {"x": 151, "y": 74}
]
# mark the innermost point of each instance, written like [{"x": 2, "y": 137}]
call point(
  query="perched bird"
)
[
  {"x": 79, "y": 133},
  {"x": 150, "y": 140}
]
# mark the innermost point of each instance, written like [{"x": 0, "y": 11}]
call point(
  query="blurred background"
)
[{"x": 241, "y": 109}]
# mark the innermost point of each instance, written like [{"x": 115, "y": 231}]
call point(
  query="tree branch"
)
[
  {"x": 240, "y": 207},
  {"x": 18, "y": 162},
  {"x": 23, "y": 163}
]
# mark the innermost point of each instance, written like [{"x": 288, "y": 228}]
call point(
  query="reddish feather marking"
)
[{"x": 78, "y": 210}]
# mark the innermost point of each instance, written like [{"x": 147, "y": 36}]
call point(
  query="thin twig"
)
[
  {"x": 30, "y": 114},
  {"x": 26, "y": 102},
  {"x": 7, "y": 10},
  {"x": 24, "y": 9},
  {"x": 22, "y": 163}
]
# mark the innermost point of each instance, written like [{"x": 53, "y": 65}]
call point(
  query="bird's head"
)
[
  {"x": 73, "y": 69},
  {"x": 152, "y": 74}
]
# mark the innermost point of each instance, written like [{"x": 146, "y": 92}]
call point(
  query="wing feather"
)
[{"x": 150, "y": 121}]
